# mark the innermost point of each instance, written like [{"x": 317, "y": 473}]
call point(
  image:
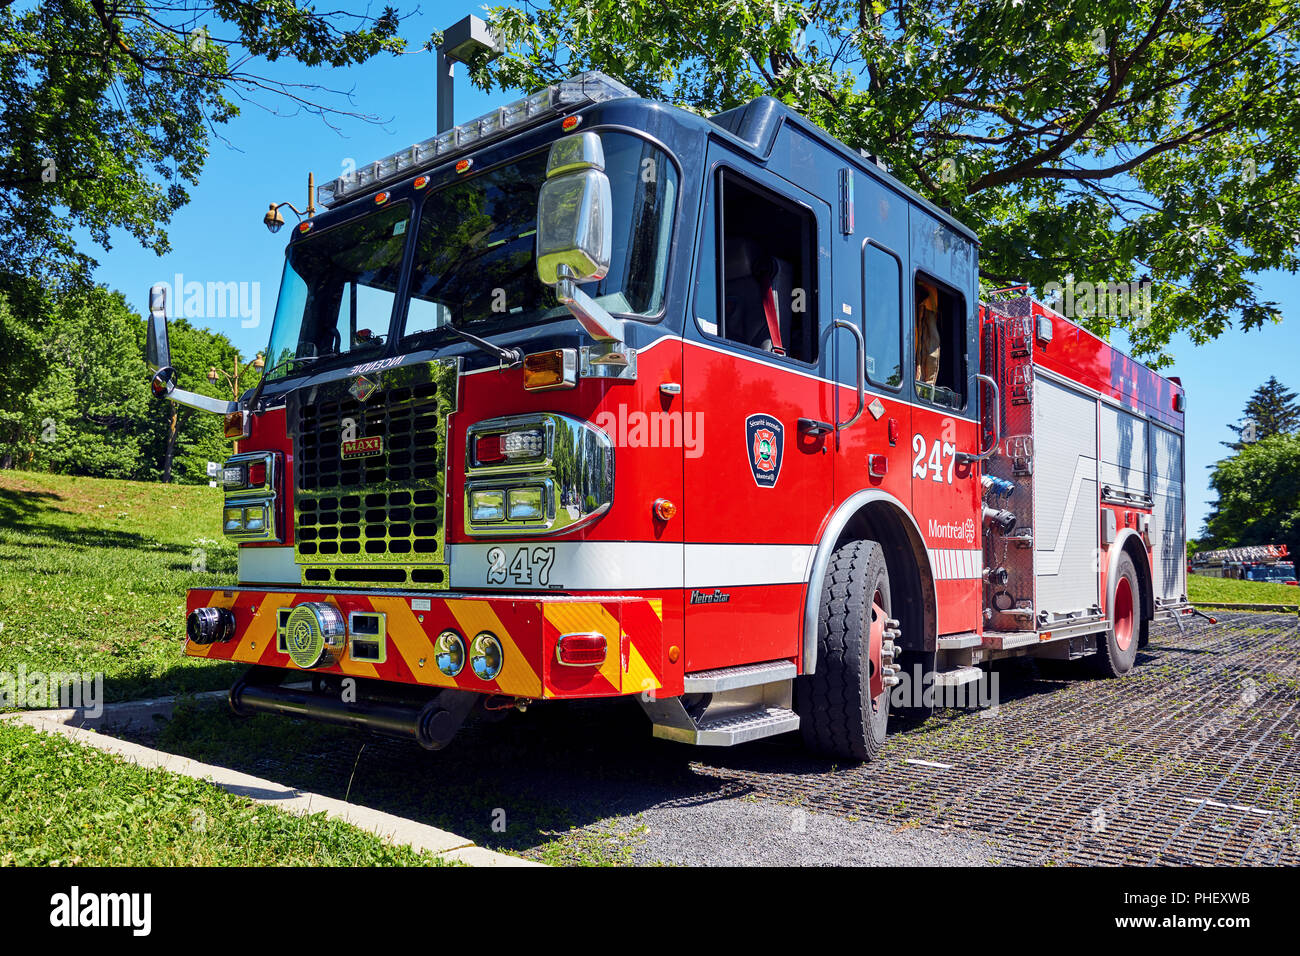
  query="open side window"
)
[
  {"x": 767, "y": 250},
  {"x": 940, "y": 368}
]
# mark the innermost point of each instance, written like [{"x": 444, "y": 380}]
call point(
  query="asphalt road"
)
[{"x": 1191, "y": 759}]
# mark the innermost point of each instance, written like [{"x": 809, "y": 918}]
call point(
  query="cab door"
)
[
  {"x": 941, "y": 376},
  {"x": 756, "y": 368}
]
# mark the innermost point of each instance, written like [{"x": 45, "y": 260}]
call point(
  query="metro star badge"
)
[{"x": 765, "y": 441}]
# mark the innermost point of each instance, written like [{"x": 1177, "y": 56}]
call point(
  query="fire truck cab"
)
[{"x": 596, "y": 397}]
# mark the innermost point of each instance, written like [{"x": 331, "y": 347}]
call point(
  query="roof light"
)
[{"x": 576, "y": 92}]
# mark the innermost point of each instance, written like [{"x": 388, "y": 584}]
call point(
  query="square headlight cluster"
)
[
  {"x": 250, "y": 480},
  {"x": 526, "y": 503},
  {"x": 247, "y": 519}
]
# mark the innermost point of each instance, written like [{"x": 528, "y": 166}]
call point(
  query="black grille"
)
[{"x": 371, "y": 513}]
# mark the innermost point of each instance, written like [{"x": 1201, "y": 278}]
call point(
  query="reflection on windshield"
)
[
  {"x": 336, "y": 296},
  {"x": 475, "y": 251}
]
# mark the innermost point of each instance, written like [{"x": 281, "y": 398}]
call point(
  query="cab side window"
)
[
  {"x": 767, "y": 252},
  {"x": 940, "y": 343},
  {"x": 882, "y": 315}
]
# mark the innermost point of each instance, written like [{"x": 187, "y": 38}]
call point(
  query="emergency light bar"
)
[{"x": 584, "y": 89}]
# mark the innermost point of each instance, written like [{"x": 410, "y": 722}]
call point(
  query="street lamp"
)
[
  {"x": 460, "y": 42},
  {"x": 274, "y": 219},
  {"x": 214, "y": 374}
]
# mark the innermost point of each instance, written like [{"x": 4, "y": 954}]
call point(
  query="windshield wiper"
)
[{"x": 506, "y": 356}]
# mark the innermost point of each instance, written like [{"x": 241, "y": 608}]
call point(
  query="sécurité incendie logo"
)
[
  {"x": 362, "y": 447},
  {"x": 765, "y": 438}
]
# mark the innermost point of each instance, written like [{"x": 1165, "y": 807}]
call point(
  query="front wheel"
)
[{"x": 839, "y": 716}]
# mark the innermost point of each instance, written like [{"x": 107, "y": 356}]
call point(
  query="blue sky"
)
[{"x": 219, "y": 236}]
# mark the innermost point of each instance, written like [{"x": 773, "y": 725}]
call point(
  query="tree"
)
[
  {"x": 1100, "y": 142},
  {"x": 1272, "y": 410},
  {"x": 109, "y": 105},
  {"x": 1258, "y": 493},
  {"x": 76, "y": 399}
]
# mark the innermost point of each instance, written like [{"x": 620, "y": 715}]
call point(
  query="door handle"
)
[
  {"x": 965, "y": 458},
  {"x": 860, "y": 347}
]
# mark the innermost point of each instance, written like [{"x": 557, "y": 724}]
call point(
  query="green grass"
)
[
  {"x": 1201, "y": 588},
  {"x": 66, "y": 805},
  {"x": 93, "y": 575}
]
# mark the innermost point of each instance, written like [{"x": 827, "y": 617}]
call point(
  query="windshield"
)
[
  {"x": 474, "y": 261},
  {"x": 336, "y": 295}
]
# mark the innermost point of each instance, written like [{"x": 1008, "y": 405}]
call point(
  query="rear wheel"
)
[
  {"x": 838, "y": 714},
  {"x": 1117, "y": 651}
]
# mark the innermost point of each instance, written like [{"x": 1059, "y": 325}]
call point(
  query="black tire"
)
[
  {"x": 1117, "y": 651},
  {"x": 837, "y": 716}
]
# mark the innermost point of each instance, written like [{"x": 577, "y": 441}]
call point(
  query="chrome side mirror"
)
[
  {"x": 574, "y": 214},
  {"x": 575, "y": 234},
  {"x": 157, "y": 353}
]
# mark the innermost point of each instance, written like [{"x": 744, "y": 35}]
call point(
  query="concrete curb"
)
[{"x": 386, "y": 826}]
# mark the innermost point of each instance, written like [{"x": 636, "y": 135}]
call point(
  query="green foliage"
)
[
  {"x": 1258, "y": 496},
  {"x": 1272, "y": 410},
  {"x": 108, "y": 110},
  {"x": 74, "y": 389},
  {"x": 1103, "y": 142}
]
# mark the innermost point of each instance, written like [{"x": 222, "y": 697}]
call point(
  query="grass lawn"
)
[
  {"x": 67, "y": 805},
  {"x": 93, "y": 575},
  {"x": 1201, "y": 588}
]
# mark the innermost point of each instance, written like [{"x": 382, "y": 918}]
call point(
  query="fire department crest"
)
[
  {"x": 362, "y": 387},
  {"x": 765, "y": 439}
]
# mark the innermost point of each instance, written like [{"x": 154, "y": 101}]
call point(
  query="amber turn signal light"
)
[
  {"x": 235, "y": 425},
  {"x": 544, "y": 371},
  {"x": 664, "y": 509}
]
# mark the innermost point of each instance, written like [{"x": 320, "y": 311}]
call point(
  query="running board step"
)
[
  {"x": 733, "y": 728},
  {"x": 1006, "y": 640},
  {"x": 957, "y": 676},
  {"x": 743, "y": 675}
]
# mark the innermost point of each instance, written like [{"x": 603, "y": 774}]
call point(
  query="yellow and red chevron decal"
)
[{"x": 528, "y": 629}]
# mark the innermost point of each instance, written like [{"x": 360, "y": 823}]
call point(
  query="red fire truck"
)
[
  {"x": 1261, "y": 562},
  {"x": 595, "y": 397}
]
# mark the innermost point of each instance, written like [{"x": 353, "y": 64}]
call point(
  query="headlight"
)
[
  {"x": 449, "y": 653},
  {"x": 525, "y": 444},
  {"x": 487, "y": 505},
  {"x": 536, "y": 474},
  {"x": 251, "y": 481},
  {"x": 255, "y": 519},
  {"x": 486, "y": 656},
  {"x": 525, "y": 504},
  {"x": 505, "y": 447},
  {"x": 232, "y": 520}
]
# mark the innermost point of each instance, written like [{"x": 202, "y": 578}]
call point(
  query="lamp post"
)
[
  {"x": 214, "y": 374},
  {"x": 460, "y": 42}
]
